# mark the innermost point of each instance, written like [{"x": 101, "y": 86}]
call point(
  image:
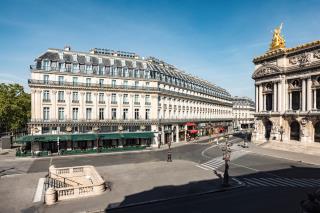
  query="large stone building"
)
[
  {"x": 287, "y": 82},
  {"x": 243, "y": 112},
  {"x": 105, "y": 91}
]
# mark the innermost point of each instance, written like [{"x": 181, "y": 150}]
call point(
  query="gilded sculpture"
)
[{"x": 277, "y": 39}]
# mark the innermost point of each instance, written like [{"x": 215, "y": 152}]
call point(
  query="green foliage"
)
[{"x": 15, "y": 107}]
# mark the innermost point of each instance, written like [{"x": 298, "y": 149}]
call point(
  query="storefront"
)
[{"x": 54, "y": 143}]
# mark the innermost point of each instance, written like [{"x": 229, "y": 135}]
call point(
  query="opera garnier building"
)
[
  {"x": 287, "y": 83},
  {"x": 105, "y": 98}
]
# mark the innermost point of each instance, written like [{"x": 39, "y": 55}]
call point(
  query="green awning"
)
[
  {"x": 126, "y": 135},
  {"x": 84, "y": 137}
]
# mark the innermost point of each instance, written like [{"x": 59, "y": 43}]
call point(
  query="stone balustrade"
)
[{"x": 84, "y": 181}]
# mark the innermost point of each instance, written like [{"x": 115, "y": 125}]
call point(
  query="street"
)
[{"x": 263, "y": 179}]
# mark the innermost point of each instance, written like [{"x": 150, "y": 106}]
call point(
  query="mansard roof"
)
[{"x": 120, "y": 61}]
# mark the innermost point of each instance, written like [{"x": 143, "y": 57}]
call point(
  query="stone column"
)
[
  {"x": 303, "y": 95},
  {"x": 275, "y": 97},
  {"x": 314, "y": 99},
  {"x": 309, "y": 94},
  {"x": 264, "y": 102},
  {"x": 54, "y": 105},
  {"x": 286, "y": 96},
  {"x": 257, "y": 98},
  {"x": 290, "y": 100},
  {"x": 280, "y": 95},
  {"x": 260, "y": 98},
  {"x": 177, "y": 133}
]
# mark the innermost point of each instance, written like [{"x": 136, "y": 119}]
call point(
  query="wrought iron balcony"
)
[
  {"x": 61, "y": 101},
  {"x": 46, "y": 100},
  {"x": 75, "y": 101},
  {"x": 89, "y": 102},
  {"x": 102, "y": 102}
]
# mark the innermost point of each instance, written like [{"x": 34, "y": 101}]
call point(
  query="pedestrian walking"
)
[{"x": 169, "y": 159}]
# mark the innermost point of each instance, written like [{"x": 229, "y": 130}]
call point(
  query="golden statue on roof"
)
[{"x": 277, "y": 39}]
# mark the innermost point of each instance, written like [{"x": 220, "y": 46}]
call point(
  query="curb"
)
[{"x": 223, "y": 189}]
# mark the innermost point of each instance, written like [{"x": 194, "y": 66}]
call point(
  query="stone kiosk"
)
[{"x": 287, "y": 95}]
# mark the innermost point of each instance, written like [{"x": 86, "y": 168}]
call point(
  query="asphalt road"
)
[{"x": 270, "y": 184}]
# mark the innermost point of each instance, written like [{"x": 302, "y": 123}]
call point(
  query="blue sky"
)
[{"x": 215, "y": 40}]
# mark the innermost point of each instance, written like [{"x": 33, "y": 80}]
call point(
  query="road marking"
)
[
  {"x": 38, "y": 194},
  {"x": 256, "y": 170},
  {"x": 281, "y": 182},
  {"x": 201, "y": 167}
]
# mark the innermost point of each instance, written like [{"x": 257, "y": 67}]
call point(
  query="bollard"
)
[{"x": 51, "y": 196}]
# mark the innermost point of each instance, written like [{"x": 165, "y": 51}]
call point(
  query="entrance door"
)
[
  {"x": 295, "y": 131},
  {"x": 268, "y": 127},
  {"x": 317, "y": 132}
]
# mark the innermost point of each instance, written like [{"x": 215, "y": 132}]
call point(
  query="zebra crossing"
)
[
  {"x": 281, "y": 182},
  {"x": 217, "y": 162}
]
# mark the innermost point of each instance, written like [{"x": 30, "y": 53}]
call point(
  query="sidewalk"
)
[
  {"x": 270, "y": 149},
  {"x": 138, "y": 183}
]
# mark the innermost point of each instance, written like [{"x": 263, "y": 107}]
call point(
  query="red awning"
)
[
  {"x": 190, "y": 124},
  {"x": 193, "y": 131}
]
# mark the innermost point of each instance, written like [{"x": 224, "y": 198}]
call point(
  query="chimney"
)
[{"x": 67, "y": 48}]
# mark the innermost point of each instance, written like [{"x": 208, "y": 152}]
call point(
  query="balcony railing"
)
[
  {"x": 125, "y": 102},
  {"x": 136, "y": 103},
  {"x": 102, "y": 102},
  {"x": 46, "y": 100},
  {"x": 89, "y": 102},
  {"x": 94, "y": 85},
  {"x": 75, "y": 101},
  {"x": 148, "y": 103},
  {"x": 61, "y": 101},
  {"x": 113, "y": 102}
]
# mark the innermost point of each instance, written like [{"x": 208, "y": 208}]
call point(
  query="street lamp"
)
[
  {"x": 226, "y": 157},
  {"x": 281, "y": 131}
]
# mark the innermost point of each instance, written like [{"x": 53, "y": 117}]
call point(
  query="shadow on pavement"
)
[{"x": 269, "y": 198}]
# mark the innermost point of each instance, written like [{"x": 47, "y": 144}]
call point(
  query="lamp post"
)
[
  {"x": 226, "y": 157},
  {"x": 281, "y": 131}
]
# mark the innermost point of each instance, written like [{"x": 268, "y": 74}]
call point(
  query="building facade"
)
[
  {"x": 287, "y": 93},
  {"x": 243, "y": 112},
  {"x": 105, "y": 91}
]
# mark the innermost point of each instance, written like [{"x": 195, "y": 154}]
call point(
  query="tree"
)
[{"x": 15, "y": 108}]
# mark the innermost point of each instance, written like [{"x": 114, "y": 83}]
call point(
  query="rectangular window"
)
[
  {"x": 125, "y": 99},
  {"x": 46, "y": 96},
  {"x": 136, "y": 114},
  {"x": 101, "y": 98},
  {"x": 88, "y": 97},
  {"x": 88, "y": 113},
  {"x": 88, "y": 82},
  {"x": 61, "y": 80},
  {"x": 75, "y": 81},
  {"x": 75, "y": 97},
  {"x": 46, "y": 113},
  {"x": 125, "y": 114},
  {"x": 136, "y": 84},
  {"x": 113, "y": 83},
  {"x": 101, "y": 114},
  {"x": 136, "y": 99},
  {"x": 113, "y": 113},
  {"x": 60, "y": 113},
  {"x": 113, "y": 98},
  {"x": 75, "y": 68},
  {"x": 75, "y": 114},
  {"x": 147, "y": 100},
  {"x": 101, "y": 82},
  {"x": 147, "y": 114},
  {"x": 125, "y": 84},
  {"x": 60, "y": 96},
  {"x": 46, "y": 79}
]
